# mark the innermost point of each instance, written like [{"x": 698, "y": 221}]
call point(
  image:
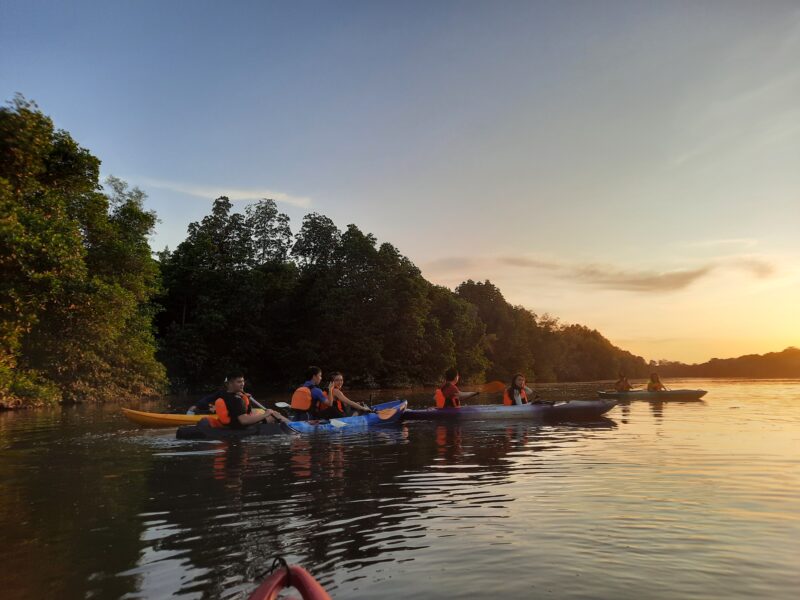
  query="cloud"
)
[
  {"x": 745, "y": 242},
  {"x": 233, "y": 193},
  {"x": 638, "y": 281},
  {"x": 601, "y": 276}
]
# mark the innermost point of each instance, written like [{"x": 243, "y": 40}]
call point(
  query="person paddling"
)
[
  {"x": 449, "y": 396},
  {"x": 655, "y": 385},
  {"x": 309, "y": 401},
  {"x": 338, "y": 398},
  {"x": 622, "y": 384},
  {"x": 234, "y": 407},
  {"x": 518, "y": 392}
]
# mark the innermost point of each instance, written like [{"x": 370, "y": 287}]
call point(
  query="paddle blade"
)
[
  {"x": 386, "y": 413},
  {"x": 337, "y": 423},
  {"x": 492, "y": 387}
]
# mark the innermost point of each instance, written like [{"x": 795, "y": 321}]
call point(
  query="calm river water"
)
[{"x": 678, "y": 500}]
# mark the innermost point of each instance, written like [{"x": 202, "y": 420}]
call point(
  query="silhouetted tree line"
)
[
  {"x": 778, "y": 365},
  {"x": 241, "y": 292}
]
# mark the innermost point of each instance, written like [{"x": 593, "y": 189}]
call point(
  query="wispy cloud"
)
[
  {"x": 726, "y": 242},
  {"x": 209, "y": 192},
  {"x": 601, "y": 276}
]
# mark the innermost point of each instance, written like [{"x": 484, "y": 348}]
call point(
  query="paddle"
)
[
  {"x": 276, "y": 415},
  {"x": 492, "y": 387},
  {"x": 383, "y": 414}
]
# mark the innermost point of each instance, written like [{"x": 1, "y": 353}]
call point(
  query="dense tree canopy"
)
[{"x": 76, "y": 272}]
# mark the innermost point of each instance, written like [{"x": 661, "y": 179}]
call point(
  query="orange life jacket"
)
[
  {"x": 508, "y": 398},
  {"x": 223, "y": 419},
  {"x": 303, "y": 400},
  {"x": 441, "y": 401}
]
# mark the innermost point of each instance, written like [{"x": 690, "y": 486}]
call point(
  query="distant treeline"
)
[
  {"x": 779, "y": 365},
  {"x": 243, "y": 292},
  {"x": 88, "y": 313}
]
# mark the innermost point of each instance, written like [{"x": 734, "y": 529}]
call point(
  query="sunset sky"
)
[{"x": 630, "y": 166}]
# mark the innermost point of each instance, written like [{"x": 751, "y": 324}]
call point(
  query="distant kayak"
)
[
  {"x": 685, "y": 395},
  {"x": 570, "y": 410},
  {"x": 293, "y": 576}
]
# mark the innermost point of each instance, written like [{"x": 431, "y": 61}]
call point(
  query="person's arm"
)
[
  {"x": 463, "y": 395},
  {"x": 265, "y": 416},
  {"x": 320, "y": 397},
  {"x": 339, "y": 394}
]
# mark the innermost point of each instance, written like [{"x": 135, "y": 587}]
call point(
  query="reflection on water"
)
[{"x": 658, "y": 500}]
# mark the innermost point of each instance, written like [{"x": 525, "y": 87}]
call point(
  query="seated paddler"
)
[
  {"x": 234, "y": 406},
  {"x": 449, "y": 396},
  {"x": 518, "y": 392},
  {"x": 309, "y": 402}
]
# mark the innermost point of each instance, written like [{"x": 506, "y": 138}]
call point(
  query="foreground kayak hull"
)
[
  {"x": 149, "y": 419},
  {"x": 673, "y": 395},
  {"x": 204, "y": 431},
  {"x": 387, "y": 413},
  {"x": 293, "y": 576},
  {"x": 572, "y": 410}
]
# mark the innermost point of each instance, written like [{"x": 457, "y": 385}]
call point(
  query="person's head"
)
[
  {"x": 451, "y": 375},
  {"x": 314, "y": 374},
  {"x": 622, "y": 375},
  {"x": 654, "y": 378},
  {"x": 235, "y": 381},
  {"x": 518, "y": 381},
  {"x": 337, "y": 379}
]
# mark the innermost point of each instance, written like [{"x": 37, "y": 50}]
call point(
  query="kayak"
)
[
  {"x": 572, "y": 409},
  {"x": 293, "y": 576},
  {"x": 204, "y": 431},
  {"x": 387, "y": 413},
  {"x": 684, "y": 395},
  {"x": 149, "y": 419}
]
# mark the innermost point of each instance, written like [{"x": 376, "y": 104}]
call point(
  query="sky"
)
[{"x": 629, "y": 166}]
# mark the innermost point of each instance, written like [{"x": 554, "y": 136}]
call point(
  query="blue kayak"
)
[
  {"x": 544, "y": 411},
  {"x": 387, "y": 413}
]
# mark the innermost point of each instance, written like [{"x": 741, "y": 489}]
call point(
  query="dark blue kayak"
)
[{"x": 570, "y": 410}]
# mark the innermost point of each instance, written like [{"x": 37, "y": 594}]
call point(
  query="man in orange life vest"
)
[
  {"x": 234, "y": 409},
  {"x": 309, "y": 401},
  {"x": 449, "y": 396}
]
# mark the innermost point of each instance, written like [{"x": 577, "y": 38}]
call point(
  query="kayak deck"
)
[
  {"x": 572, "y": 409},
  {"x": 149, "y": 419}
]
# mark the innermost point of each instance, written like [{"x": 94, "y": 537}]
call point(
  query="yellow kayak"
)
[{"x": 149, "y": 419}]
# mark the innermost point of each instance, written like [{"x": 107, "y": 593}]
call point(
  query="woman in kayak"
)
[
  {"x": 518, "y": 392},
  {"x": 655, "y": 385},
  {"x": 622, "y": 384},
  {"x": 340, "y": 401},
  {"x": 449, "y": 396}
]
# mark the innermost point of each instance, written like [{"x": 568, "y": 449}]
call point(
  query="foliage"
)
[
  {"x": 785, "y": 364},
  {"x": 76, "y": 275}
]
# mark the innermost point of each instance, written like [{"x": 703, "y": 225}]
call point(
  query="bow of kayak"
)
[{"x": 148, "y": 419}]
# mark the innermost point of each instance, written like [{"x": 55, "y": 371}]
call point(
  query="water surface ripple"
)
[{"x": 671, "y": 500}]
